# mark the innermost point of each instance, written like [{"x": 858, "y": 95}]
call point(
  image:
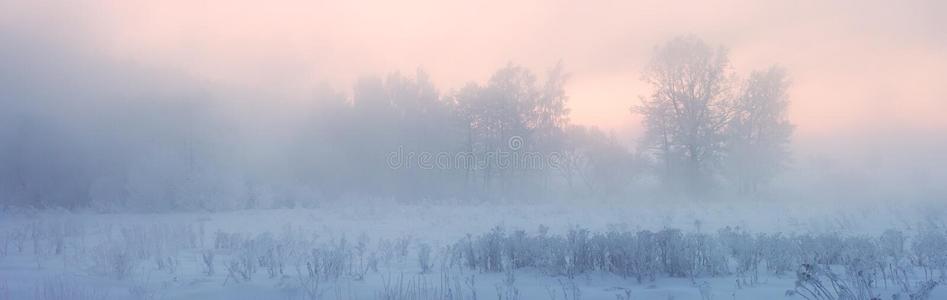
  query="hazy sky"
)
[{"x": 854, "y": 64}]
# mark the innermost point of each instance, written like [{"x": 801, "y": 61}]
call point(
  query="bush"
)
[
  {"x": 113, "y": 260},
  {"x": 63, "y": 288},
  {"x": 424, "y": 258}
]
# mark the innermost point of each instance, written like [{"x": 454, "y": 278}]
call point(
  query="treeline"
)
[{"x": 78, "y": 132}]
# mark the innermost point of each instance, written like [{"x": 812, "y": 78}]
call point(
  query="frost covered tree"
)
[
  {"x": 423, "y": 125},
  {"x": 696, "y": 129},
  {"x": 551, "y": 116},
  {"x": 759, "y": 131},
  {"x": 687, "y": 112},
  {"x": 496, "y": 113},
  {"x": 512, "y": 112}
]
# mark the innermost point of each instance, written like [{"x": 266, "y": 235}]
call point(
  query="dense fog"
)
[
  {"x": 416, "y": 150},
  {"x": 85, "y": 131}
]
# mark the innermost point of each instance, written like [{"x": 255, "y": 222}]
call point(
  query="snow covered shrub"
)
[
  {"x": 634, "y": 255},
  {"x": 645, "y": 261},
  {"x": 310, "y": 282},
  {"x": 364, "y": 261},
  {"x": 450, "y": 285},
  {"x": 780, "y": 253},
  {"x": 820, "y": 282},
  {"x": 923, "y": 290},
  {"x": 243, "y": 264},
  {"x": 862, "y": 261},
  {"x": 579, "y": 249},
  {"x": 111, "y": 259},
  {"x": 642, "y": 255},
  {"x": 450, "y": 258},
  {"x": 833, "y": 266},
  {"x": 557, "y": 257},
  {"x": 893, "y": 261},
  {"x": 414, "y": 287},
  {"x": 62, "y": 288},
  {"x": 157, "y": 241},
  {"x": 489, "y": 252},
  {"x": 47, "y": 237},
  {"x": 141, "y": 291},
  {"x": 207, "y": 257},
  {"x": 930, "y": 252},
  {"x": 5, "y": 241},
  {"x": 36, "y": 238},
  {"x": 814, "y": 282},
  {"x": 271, "y": 255},
  {"x": 332, "y": 261},
  {"x": 625, "y": 295},
  {"x": 861, "y": 278},
  {"x": 891, "y": 244},
  {"x": 466, "y": 249},
  {"x": 705, "y": 256},
  {"x": 828, "y": 248},
  {"x": 569, "y": 290},
  {"x": 336, "y": 260},
  {"x": 743, "y": 249},
  {"x": 496, "y": 251},
  {"x": 42, "y": 239},
  {"x": 615, "y": 252},
  {"x": 520, "y": 250},
  {"x": 424, "y": 258},
  {"x": 401, "y": 247},
  {"x": 672, "y": 253},
  {"x": 223, "y": 240},
  {"x": 167, "y": 263},
  {"x": 386, "y": 250},
  {"x": 507, "y": 289},
  {"x": 858, "y": 249},
  {"x": 705, "y": 290},
  {"x": 18, "y": 239}
]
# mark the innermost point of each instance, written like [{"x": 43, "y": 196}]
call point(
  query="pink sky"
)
[{"x": 854, "y": 64}]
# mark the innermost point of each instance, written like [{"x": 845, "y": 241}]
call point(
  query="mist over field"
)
[{"x": 451, "y": 150}]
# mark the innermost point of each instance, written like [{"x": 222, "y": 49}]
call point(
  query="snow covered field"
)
[
  {"x": 472, "y": 150},
  {"x": 374, "y": 251}
]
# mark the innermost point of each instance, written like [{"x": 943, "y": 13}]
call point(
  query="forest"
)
[{"x": 397, "y": 137}]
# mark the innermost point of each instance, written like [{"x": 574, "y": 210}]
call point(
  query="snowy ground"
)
[{"x": 162, "y": 256}]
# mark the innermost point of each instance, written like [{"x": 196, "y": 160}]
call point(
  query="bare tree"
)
[
  {"x": 551, "y": 116},
  {"x": 686, "y": 114},
  {"x": 512, "y": 107},
  {"x": 503, "y": 109},
  {"x": 759, "y": 131}
]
